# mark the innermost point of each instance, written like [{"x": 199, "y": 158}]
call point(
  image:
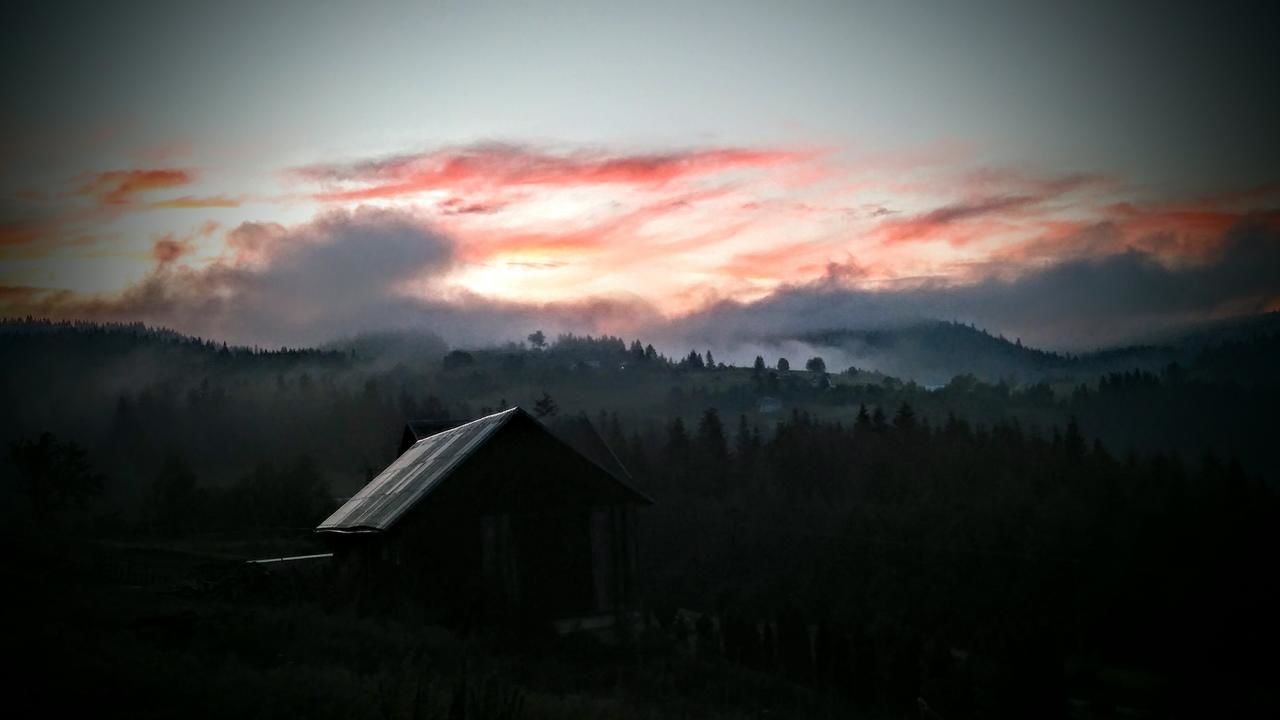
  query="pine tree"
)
[
  {"x": 878, "y": 421},
  {"x": 545, "y": 406},
  {"x": 862, "y": 423},
  {"x": 1074, "y": 442},
  {"x": 905, "y": 419},
  {"x": 53, "y": 474},
  {"x": 711, "y": 440},
  {"x": 742, "y": 445},
  {"x": 677, "y": 451},
  {"x": 713, "y": 451}
]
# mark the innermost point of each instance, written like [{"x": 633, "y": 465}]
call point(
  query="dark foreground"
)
[
  {"x": 135, "y": 629},
  {"x": 139, "y": 631}
]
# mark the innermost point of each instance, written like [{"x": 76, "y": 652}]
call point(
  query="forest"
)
[{"x": 826, "y": 542}]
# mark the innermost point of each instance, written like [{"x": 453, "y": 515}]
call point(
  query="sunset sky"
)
[{"x": 294, "y": 172}]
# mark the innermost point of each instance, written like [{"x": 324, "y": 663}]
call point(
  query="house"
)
[{"x": 498, "y": 518}]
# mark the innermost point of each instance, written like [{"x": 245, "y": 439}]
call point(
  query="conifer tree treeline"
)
[{"x": 978, "y": 536}]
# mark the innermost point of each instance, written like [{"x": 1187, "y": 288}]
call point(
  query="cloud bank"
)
[{"x": 345, "y": 273}]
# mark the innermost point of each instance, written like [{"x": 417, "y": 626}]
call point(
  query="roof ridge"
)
[{"x": 511, "y": 409}]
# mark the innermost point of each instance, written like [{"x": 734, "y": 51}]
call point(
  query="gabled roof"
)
[
  {"x": 578, "y": 433},
  {"x": 423, "y": 467}
]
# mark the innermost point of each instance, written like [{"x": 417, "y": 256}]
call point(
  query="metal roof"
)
[
  {"x": 416, "y": 430},
  {"x": 414, "y": 474},
  {"x": 422, "y": 468}
]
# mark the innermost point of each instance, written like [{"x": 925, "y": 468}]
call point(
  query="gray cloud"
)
[{"x": 308, "y": 284}]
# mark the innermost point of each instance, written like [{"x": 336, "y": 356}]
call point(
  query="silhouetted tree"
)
[
  {"x": 538, "y": 339},
  {"x": 677, "y": 453},
  {"x": 53, "y": 474},
  {"x": 878, "y": 421},
  {"x": 274, "y": 497},
  {"x": 862, "y": 423},
  {"x": 453, "y": 360},
  {"x": 1073, "y": 441},
  {"x": 745, "y": 444},
  {"x": 174, "y": 500},
  {"x": 816, "y": 364},
  {"x": 783, "y": 365},
  {"x": 545, "y": 406},
  {"x": 905, "y": 419},
  {"x": 713, "y": 451}
]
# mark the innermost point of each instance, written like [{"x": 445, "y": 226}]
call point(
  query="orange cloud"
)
[
  {"x": 773, "y": 262},
  {"x": 1174, "y": 232},
  {"x": 33, "y": 237},
  {"x": 192, "y": 202},
  {"x": 169, "y": 248},
  {"x": 993, "y": 202},
  {"x": 20, "y": 232},
  {"x": 17, "y": 294},
  {"x": 120, "y": 187},
  {"x": 958, "y": 223},
  {"x": 1187, "y": 228},
  {"x": 495, "y": 167}
]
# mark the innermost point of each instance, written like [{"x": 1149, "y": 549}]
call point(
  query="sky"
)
[{"x": 1077, "y": 174}]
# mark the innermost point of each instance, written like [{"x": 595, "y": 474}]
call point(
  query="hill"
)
[{"x": 933, "y": 352}]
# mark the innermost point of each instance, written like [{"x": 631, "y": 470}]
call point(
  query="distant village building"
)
[{"x": 501, "y": 517}]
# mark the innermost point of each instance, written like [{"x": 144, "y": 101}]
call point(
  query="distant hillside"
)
[
  {"x": 933, "y": 352},
  {"x": 136, "y": 396}
]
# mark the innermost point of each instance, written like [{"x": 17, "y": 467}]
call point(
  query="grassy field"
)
[{"x": 186, "y": 630}]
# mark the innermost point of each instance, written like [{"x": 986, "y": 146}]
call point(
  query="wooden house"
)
[{"x": 501, "y": 517}]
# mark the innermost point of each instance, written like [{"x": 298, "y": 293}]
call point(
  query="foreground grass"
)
[{"x": 149, "y": 631}]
